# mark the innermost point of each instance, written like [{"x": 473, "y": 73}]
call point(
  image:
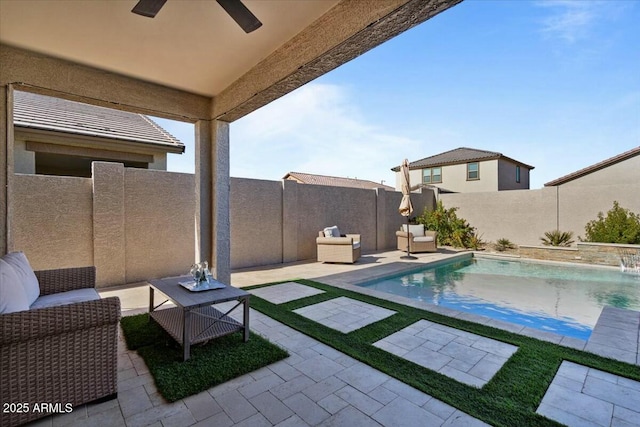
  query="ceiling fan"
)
[{"x": 238, "y": 11}]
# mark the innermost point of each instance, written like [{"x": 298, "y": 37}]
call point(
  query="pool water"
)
[{"x": 566, "y": 300}]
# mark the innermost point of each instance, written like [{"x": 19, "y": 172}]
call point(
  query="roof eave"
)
[
  {"x": 157, "y": 146},
  {"x": 177, "y": 148}
]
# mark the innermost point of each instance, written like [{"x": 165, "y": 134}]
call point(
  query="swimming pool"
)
[{"x": 563, "y": 299}]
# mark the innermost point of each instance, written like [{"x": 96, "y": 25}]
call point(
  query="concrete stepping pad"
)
[
  {"x": 344, "y": 314},
  {"x": 285, "y": 292},
  {"x": 463, "y": 356},
  {"x": 580, "y": 396}
]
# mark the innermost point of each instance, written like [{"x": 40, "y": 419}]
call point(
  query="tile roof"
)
[
  {"x": 595, "y": 167},
  {"x": 35, "y": 111},
  {"x": 456, "y": 156},
  {"x": 307, "y": 178}
]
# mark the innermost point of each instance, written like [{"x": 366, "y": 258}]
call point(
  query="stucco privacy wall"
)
[
  {"x": 136, "y": 224},
  {"x": 53, "y": 221},
  {"x": 273, "y": 222},
  {"x": 159, "y": 223},
  {"x": 523, "y": 216},
  {"x": 256, "y": 222}
]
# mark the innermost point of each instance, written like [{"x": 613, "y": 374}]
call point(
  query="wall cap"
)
[
  {"x": 553, "y": 248},
  {"x": 614, "y": 245}
]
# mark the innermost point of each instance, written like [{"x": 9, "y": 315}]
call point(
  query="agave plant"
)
[
  {"x": 503, "y": 244},
  {"x": 557, "y": 238}
]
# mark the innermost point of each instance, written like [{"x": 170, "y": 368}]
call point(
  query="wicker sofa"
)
[
  {"x": 60, "y": 355},
  {"x": 420, "y": 240},
  {"x": 343, "y": 248}
]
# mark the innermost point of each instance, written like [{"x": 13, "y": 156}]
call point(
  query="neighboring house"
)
[
  {"x": 307, "y": 178},
  {"x": 54, "y": 136},
  {"x": 621, "y": 169},
  {"x": 467, "y": 170}
]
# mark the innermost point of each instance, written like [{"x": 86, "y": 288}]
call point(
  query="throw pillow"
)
[
  {"x": 332, "y": 231},
  {"x": 28, "y": 279},
  {"x": 12, "y": 295},
  {"x": 416, "y": 229}
]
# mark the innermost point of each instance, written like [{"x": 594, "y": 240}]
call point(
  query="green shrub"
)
[
  {"x": 619, "y": 226},
  {"x": 452, "y": 231},
  {"x": 504, "y": 244},
  {"x": 557, "y": 238}
]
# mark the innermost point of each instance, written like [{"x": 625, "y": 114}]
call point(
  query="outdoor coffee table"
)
[{"x": 194, "y": 319}]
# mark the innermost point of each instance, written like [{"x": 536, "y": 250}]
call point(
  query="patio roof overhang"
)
[{"x": 190, "y": 63}]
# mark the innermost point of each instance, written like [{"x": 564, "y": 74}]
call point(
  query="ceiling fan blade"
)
[
  {"x": 148, "y": 8},
  {"x": 243, "y": 16}
]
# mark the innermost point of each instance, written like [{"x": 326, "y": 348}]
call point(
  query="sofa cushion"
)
[
  {"x": 28, "y": 279},
  {"x": 12, "y": 295},
  {"x": 356, "y": 245},
  {"x": 63, "y": 298},
  {"x": 332, "y": 231},
  {"x": 423, "y": 239}
]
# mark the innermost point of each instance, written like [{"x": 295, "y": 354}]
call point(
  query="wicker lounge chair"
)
[
  {"x": 65, "y": 354},
  {"x": 345, "y": 248},
  {"x": 420, "y": 240}
]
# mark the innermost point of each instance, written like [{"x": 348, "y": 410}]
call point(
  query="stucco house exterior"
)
[
  {"x": 54, "y": 136},
  {"x": 307, "y": 178},
  {"x": 621, "y": 169},
  {"x": 468, "y": 170}
]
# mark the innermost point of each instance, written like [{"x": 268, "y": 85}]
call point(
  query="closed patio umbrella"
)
[{"x": 406, "y": 208}]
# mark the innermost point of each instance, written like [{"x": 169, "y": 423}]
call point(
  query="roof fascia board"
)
[
  {"x": 79, "y": 140},
  {"x": 68, "y": 150}
]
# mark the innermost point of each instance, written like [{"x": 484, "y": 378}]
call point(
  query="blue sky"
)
[{"x": 553, "y": 84}]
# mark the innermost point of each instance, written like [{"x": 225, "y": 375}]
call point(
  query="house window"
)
[
  {"x": 473, "y": 171},
  {"x": 432, "y": 175},
  {"x": 517, "y": 173}
]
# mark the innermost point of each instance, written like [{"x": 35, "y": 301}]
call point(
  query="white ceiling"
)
[{"x": 191, "y": 45}]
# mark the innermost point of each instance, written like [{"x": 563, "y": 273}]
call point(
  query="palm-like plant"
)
[
  {"x": 503, "y": 244},
  {"x": 557, "y": 238}
]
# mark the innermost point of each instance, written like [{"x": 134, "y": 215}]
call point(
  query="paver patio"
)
[
  {"x": 285, "y": 292},
  {"x": 461, "y": 355},
  {"x": 585, "y": 397},
  {"x": 344, "y": 314}
]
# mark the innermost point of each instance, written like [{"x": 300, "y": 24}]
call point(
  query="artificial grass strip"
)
[
  {"x": 510, "y": 398},
  {"x": 213, "y": 363}
]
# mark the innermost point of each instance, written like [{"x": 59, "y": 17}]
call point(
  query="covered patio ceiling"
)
[{"x": 189, "y": 45}]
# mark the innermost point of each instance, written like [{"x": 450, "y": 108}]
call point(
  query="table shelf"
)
[{"x": 172, "y": 320}]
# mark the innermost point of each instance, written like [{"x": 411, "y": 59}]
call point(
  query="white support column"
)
[{"x": 213, "y": 231}]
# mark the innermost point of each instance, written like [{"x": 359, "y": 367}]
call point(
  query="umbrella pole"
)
[{"x": 408, "y": 255}]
